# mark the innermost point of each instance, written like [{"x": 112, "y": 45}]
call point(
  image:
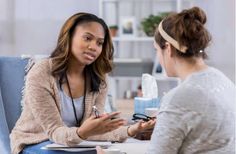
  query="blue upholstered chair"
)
[{"x": 12, "y": 71}]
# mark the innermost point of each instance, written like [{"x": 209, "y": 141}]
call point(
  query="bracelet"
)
[{"x": 77, "y": 132}]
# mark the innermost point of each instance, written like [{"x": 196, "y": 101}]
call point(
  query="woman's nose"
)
[{"x": 92, "y": 46}]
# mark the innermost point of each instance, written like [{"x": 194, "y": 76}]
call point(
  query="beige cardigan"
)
[{"x": 40, "y": 119}]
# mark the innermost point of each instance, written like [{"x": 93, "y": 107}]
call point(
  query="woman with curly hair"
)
[{"x": 198, "y": 115}]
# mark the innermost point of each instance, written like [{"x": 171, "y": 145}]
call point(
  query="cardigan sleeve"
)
[{"x": 42, "y": 103}]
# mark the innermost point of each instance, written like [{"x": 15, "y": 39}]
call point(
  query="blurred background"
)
[{"x": 31, "y": 27}]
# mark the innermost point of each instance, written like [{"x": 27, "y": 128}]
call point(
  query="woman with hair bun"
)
[{"x": 198, "y": 115}]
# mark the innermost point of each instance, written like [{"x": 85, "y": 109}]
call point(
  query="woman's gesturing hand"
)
[
  {"x": 140, "y": 126},
  {"x": 105, "y": 123}
]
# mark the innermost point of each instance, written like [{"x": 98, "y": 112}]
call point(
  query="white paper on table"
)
[
  {"x": 83, "y": 146},
  {"x": 69, "y": 149},
  {"x": 131, "y": 146}
]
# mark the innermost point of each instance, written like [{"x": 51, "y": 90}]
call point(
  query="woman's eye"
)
[
  {"x": 100, "y": 43},
  {"x": 86, "y": 38}
]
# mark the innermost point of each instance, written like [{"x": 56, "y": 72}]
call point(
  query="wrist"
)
[
  {"x": 130, "y": 131},
  {"x": 81, "y": 134}
]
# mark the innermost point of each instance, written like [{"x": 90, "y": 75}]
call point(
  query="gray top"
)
[
  {"x": 198, "y": 116},
  {"x": 67, "y": 112}
]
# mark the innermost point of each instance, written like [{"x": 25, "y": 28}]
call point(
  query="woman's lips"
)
[{"x": 89, "y": 55}]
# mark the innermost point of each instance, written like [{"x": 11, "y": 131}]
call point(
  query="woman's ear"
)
[{"x": 169, "y": 49}]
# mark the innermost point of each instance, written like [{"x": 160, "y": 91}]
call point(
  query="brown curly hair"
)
[{"x": 187, "y": 28}]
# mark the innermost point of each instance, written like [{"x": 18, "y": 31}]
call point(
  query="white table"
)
[{"x": 131, "y": 146}]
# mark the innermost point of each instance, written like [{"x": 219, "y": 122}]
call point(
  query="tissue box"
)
[{"x": 140, "y": 104}]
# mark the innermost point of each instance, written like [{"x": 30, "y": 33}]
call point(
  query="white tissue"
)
[{"x": 149, "y": 86}]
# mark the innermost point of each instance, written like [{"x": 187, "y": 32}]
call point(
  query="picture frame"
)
[{"x": 127, "y": 26}]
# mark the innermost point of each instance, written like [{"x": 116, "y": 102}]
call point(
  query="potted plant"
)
[
  {"x": 150, "y": 23},
  {"x": 113, "y": 30}
]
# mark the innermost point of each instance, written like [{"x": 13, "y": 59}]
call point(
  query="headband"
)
[{"x": 169, "y": 39}]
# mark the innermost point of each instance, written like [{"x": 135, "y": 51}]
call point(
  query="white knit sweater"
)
[{"x": 197, "y": 117}]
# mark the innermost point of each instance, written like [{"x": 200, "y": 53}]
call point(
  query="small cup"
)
[
  {"x": 112, "y": 151},
  {"x": 151, "y": 112}
]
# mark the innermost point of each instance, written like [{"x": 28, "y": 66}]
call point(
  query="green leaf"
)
[{"x": 150, "y": 23}]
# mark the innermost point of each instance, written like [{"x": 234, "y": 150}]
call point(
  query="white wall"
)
[
  {"x": 221, "y": 25},
  {"x": 6, "y": 26},
  {"x": 35, "y": 24},
  {"x": 32, "y": 27}
]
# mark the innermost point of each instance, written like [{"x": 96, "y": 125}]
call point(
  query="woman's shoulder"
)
[
  {"x": 40, "y": 67},
  {"x": 184, "y": 96}
]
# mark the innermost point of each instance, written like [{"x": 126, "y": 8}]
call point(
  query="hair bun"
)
[{"x": 195, "y": 13}]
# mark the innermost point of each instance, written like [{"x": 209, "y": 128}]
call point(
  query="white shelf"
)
[
  {"x": 126, "y": 78},
  {"x": 161, "y": 76},
  {"x": 128, "y": 60},
  {"x": 129, "y": 64},
  {"x": 138, "y": 0},
  {"x": 108, "y": 0},
  {"x": 135, "y": 39},
  {"x": 158, "y": 76}
]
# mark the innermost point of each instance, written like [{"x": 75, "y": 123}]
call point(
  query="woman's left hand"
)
[{"x": 140, "y": 126}]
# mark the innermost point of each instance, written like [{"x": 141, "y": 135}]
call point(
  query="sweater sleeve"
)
[
  {"x": 42, "y": 103},
  {"x": 174, "y": 123},
  {"x": 168, "y": 133}
]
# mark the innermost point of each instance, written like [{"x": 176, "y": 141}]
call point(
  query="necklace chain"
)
[{"x": 72, "y": 100}]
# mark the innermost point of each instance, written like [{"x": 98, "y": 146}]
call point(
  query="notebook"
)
[{"x": 83, "y": 146}]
